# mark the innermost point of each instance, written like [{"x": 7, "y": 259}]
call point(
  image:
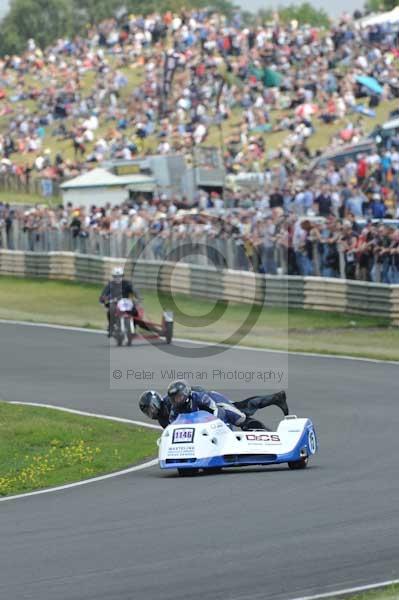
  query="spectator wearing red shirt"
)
[{"x": 361, "y": 169}]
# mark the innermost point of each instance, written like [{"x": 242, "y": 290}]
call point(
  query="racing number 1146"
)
[{"x": 181, "y": 436}]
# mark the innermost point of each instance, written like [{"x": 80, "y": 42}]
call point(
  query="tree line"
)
[{"x": 47, "y": 20}]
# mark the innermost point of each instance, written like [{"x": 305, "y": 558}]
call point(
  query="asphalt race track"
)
[{"x": 255, "y": 534}]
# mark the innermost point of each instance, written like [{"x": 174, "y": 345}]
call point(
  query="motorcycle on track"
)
[
  {"x": 122, "y": 320},
  {"x": 126, "y": 317},
  {"x": 200, "y": 441}
]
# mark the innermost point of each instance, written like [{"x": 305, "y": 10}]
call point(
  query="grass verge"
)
[
  {"x": 42, "y": 448},
  {"x": 298, "y": 330},
  {"x": 391, "y": 592}
]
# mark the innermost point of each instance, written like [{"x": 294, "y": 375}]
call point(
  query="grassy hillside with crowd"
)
[
  {"x": 271, "y": 92},
  {"x": 93, "y": 82}
]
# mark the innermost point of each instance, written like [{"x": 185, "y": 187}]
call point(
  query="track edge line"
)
[{"x": 350, "y": 591}]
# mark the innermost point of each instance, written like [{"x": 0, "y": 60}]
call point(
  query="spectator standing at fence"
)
[
  {"x": 9, "y": 215},
  {"x": 348, "y": 245},
  {"x": 394, "y": 259},
  {"x": 268, "y": 230},
  {"x": 378, "y": 245},
  {"x": 330, "y": 257},
  {"x": 299, "y": 246},
  {"x": 365, "y": 257}
]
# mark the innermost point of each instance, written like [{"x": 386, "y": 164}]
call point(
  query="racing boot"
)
[
  {"x": 249, "y": 406},
  {"x": 280, "y": 400}
]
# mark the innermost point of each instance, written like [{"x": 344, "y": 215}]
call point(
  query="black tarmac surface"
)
[{"x": 253, "y": 534}]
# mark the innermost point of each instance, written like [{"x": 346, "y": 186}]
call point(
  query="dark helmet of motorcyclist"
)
[
  {"x": 150, "y": 403},
  {"x": 179, "y": 393},
  {"x": 117, "y": 274}
]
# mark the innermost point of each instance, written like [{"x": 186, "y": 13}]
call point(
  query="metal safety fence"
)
[{"x": 236, "y": 253}]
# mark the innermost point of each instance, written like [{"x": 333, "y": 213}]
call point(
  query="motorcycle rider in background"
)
[
  {"x": 118, "y": 288},
  {"x": 182, "y": 398}
]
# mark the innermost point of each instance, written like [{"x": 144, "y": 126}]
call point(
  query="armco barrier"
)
[
  {"x": 394, "y": 305},
  {"x": 206, "y": 282},
  {"x": 12, "y": 263}
]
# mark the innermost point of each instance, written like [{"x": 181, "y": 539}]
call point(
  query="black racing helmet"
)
[
  {"x": 179, "y": 393},
  {"x": 150, "y": 403}
]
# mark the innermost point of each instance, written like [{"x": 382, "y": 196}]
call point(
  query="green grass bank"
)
[{"x": 42, "y": 448}]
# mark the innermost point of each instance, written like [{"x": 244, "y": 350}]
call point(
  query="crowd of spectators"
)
[
  {"x": 251, "y": 231},
  {"x": 173, "y": 79}
]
